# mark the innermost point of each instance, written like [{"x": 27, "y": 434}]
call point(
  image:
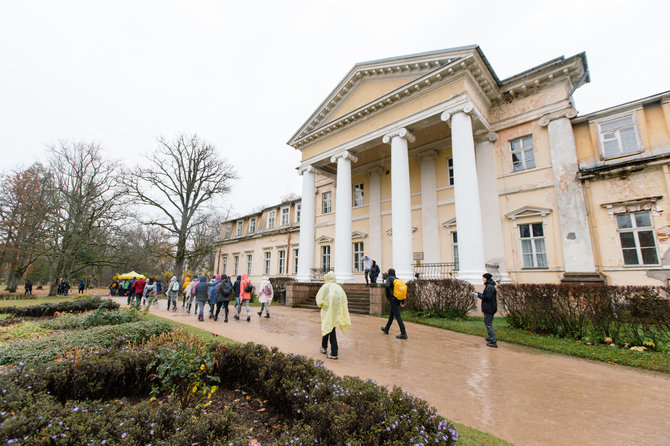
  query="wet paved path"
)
[{"x": 522, "y": 395}]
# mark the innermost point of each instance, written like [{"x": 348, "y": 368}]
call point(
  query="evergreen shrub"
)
[{"x": 444, "y": 297}]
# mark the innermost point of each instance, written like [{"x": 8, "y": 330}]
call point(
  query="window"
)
[
  {"x": 618, "y": 136},
  {"x": 295, "y": 261},
  {"x": 454, "y": 245},
  {"x": 252, "y": 225},
  {"x": 298, "y": 208},
  {"x": 240, "y": 225},
  {"x": 281, "y": 267},
  {"x": 532, "y": 246},
  {"x": 638, "y": 242},
  {"x": 225, "y": 265},
  {"x": 228, "y": 229},
  {"x": 284, "y": 216},
  {"x": 271, "y": 218},
  {"x": 358, "y": 195},
  {"x": 325, "y": 258},
  {"x": 237, "y": 264},
  {"x": 358, "y": 253},
  {"x": 249, "y": 259},
  {"x": 268, "y": 259},
  {"x": 450, "y": 171},
  {"x": 523, "y": 156},
  {"x": 326, "y": 199}
]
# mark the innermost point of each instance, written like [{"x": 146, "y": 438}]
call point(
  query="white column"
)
[
  {"x": 343, "y": 248},
  {"x": 307, "y": 217},
  {"x": 374, "y": 250},
  {"x": 429, "y": 221},
  {"x": 466, "y": 194},
  {"x": 494, "y": 250},
  {"x": 401, "y": 217},
  {"x": 575, "y": 235}
]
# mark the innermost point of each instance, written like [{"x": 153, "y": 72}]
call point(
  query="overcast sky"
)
[{"x": 246, "y": 75}]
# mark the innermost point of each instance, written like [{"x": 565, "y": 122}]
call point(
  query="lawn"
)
[{"x": 658, "y": 361}]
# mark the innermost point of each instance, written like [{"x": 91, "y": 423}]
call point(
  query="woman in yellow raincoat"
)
[
  {"x": 334, "y": 313},
  {"x": 186, "y": 283}
]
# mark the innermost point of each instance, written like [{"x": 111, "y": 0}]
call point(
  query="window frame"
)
[
  {"x": 358, "y": 264},
  {"x": 252, "y": 225},
  {"x": 329, "y": 200},
  {"x": 250, "y": 261},
  {"x": 282, "y": 214},
  {"x": 358, "y": 191},
  {"x": 224, "y": 264},
  {"x": 272, "y": 218},
  {"x": 534, "y": 253},
  {"x": 325, "y": 258},
  {"x": 296, "y": 252},
  {"x": 522, "y": 151},
  {"x": 636, "y": 129},
  {"x": 281, "y": 261},
  {"x": 267, "y": 262},
  {"x": 239, "y": 228},
  {"x": 236, "y": 260},
  {"x": 298, "y": 209},
  {"x": 228, "y": 230},
  {"x": 635, "y": 230},
  {"x": 450, "y": 172},
  {"x": 454, "y": 249}
]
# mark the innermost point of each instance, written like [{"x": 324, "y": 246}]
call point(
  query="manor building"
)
[{"x": 431, "y": 161}]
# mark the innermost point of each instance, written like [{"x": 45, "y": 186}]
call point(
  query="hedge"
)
[
  {"x": 48, "y": 309},
  {"x": 444, "y": 297}
]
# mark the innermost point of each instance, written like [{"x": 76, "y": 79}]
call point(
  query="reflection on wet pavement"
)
[{"x": 519, "y": 394}]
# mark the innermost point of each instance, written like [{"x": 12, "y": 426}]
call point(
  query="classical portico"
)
[{"x": 403, "y": 145}]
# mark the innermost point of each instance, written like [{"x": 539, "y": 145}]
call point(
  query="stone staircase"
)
[{"x": 358, "y": 297}]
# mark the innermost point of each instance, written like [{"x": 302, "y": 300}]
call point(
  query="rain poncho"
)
[
  {"x": 334, "y": 308},
  {"x": 266, "y": 293},
  {"x": 187, "y": 282}
]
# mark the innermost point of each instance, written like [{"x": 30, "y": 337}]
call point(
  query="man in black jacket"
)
[
  {"x": 395, "y": 307},
  {"x": 489, "y": 308}
]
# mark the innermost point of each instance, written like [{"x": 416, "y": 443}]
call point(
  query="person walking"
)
[
  {"x": 374, "y": 272},
  {"x": 213, "y": 297},
  {"x": 82, "y": 286},
  {"x": 189, "y": 296},
  {"x": 149, "y": 294},
  {"x": 395, "y": 306},
  {"x": 332, "y": 300},
  {"x": 489, "y": 307},
  {"x": 187, "y": 282},
  {"x": 28, "y": 288},
  {"x": 201, "y": 296},
  {"x": 265, "y": 296},
  {"x": 236, "y": 290},
  {"x": 172, "y": 293},
  {"x": 138, "y": 290},
  {"x": 224, "y": 291},
  {"x": 246, "y": 288},
  {"x": 367, "y": 264}
]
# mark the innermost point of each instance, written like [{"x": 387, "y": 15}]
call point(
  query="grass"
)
[
  {"x": 657, "y": 361},
  {"x": 469, "y": 436}
]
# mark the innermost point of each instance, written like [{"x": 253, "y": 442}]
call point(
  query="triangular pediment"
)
[
  {"x": 369, "y": 83},
  {"x": 528, "y": 211}
]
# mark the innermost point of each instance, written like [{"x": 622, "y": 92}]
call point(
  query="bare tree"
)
[
  {"x": 86, "y": 193},
  {"x": 178, "y": 178},
  {"x": 206, "y": 233},
  {"x": 25, "y": 203}
]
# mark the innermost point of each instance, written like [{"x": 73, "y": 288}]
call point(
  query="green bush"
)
[
  {"x": 47, "y": 349},
  {"x": 76, "y": 306},
  {"x": 449, "y": 298},
  {"x": 98, "y": 318}
]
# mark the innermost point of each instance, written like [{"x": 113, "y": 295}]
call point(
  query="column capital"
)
[
  {"x": 306, "y": 169},
  {"x": 489, "y": 136},
  {"x": 426, "y": 155},
  {"x": 565, "y": 113},
  {"x": 344, "y": 155},
  {"x": 466, "y": 108},
  {"x": 401, "y": 132},
  {"x": 375, "y": 170}
]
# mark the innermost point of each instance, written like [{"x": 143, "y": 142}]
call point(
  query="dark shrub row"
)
[
  {"x": 446, "y": 297},
  {"x": 633, "y": 314},
  {"x": 76, "y": 306},
  {"x": 47, "y": 349},
  {"x": 278, "y": 284},
  {"x": 17, "y": 297},
  {"x": 99, "y": 317}
]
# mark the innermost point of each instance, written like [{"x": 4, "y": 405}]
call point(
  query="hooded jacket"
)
[
  {"x": 266, "y": 293},
  {"x": 489, "y": 297},
  {"x": 213, "y": 295},
  {"x": 243, "y": 284},
  {"x": 236, "y": 286},
  {"x": 201, "y": 290},
  {"x": 334, "y": 306},
  {"x": 186, "y": 283},
  {"x": 170, "y": 291}
]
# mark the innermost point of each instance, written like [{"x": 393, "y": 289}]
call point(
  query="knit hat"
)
[{"x": 487, "y": 276}]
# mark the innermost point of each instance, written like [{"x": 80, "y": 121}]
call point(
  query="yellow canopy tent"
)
[{"x": 130, "y": 275}]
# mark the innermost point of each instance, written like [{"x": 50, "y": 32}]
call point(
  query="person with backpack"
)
[
  {"x": 265, "y": 296},
  {"x": 172, "y": 293},
  {"x": 212, "y": 294},
  {"x": 201, "y": 296},
  {"x": 246, "y": 288},
  {"x": 332, "y": 300},
  {"x": 224, "y": 292},
  {"x": 489, "y": 308},
  {"x": 396, "y": 292}
]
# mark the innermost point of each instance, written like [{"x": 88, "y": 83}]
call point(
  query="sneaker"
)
[
  {"x": 237, "y": 317},
  {"x": 216, "y": 318},
  {"x": 260, "y": 312},
  {"x": 488, "y": 339},
  {"x": 267, "y": 315},
  {"x": 248, "y": 318},
  {"x": 385, "y": 330},
  {"x": 225, "y": 320},
  {"x": 331, "y": 356},
  {"x": 323, "y": 350},
  {"x": 492, "y": 344},
  {"x": 174, "y": 308},
  {"x": 402, "y": 336},
  {"x": 211, "y": 316}
]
